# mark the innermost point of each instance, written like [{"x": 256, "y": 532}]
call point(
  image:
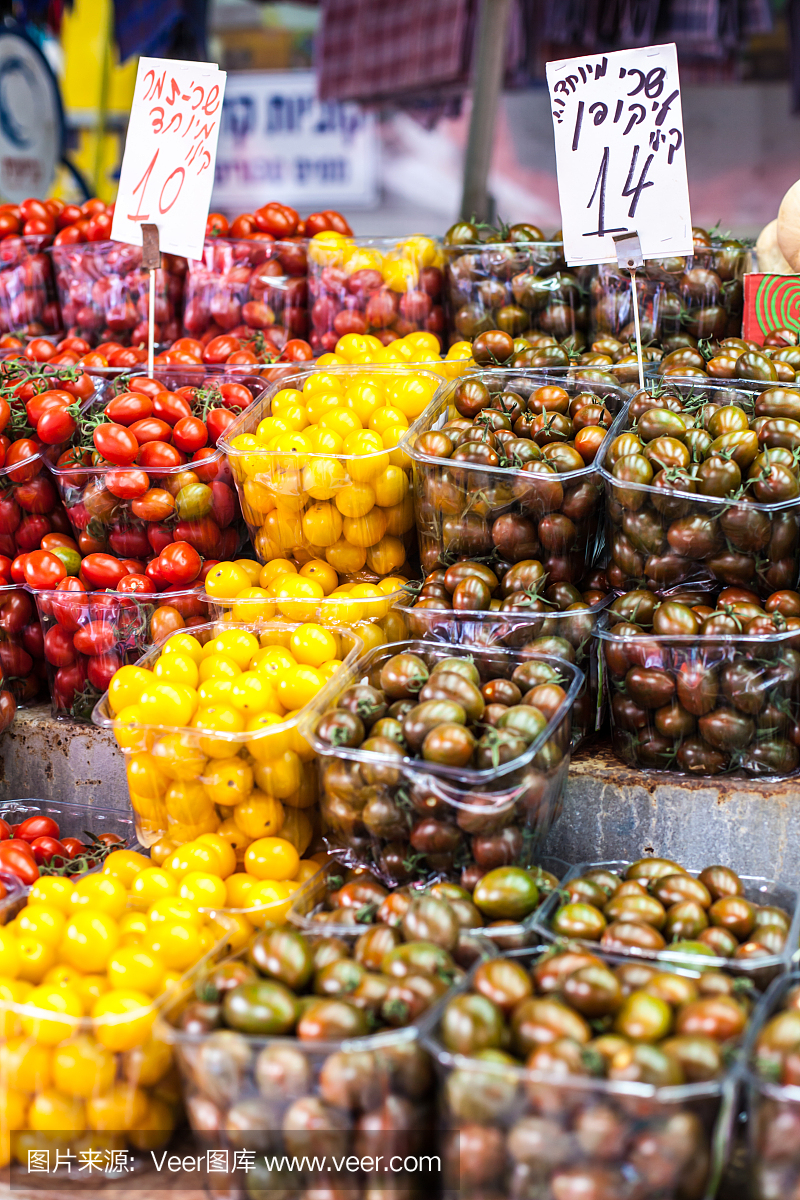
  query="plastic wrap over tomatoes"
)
[{"x": 103, "y": 292}]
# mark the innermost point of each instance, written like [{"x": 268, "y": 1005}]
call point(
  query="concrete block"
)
[
  {"x": 45, "y": 759},
  {"x": 613, "y": 811}
]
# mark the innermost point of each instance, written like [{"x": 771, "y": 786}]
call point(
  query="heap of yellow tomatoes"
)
[
  {"x": 323, "y": 476},
  {"x": 210, "y": 733},
  {"x": 247, "y": 591},
  {"x": 85, "y": 964}
]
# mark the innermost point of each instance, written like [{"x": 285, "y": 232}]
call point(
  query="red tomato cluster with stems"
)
[
  {"x": 35, "y": 846},
  {"x": 148, "y": 474}
]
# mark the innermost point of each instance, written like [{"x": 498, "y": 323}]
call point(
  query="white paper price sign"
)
[
  {"x": 619, "y": 153},
  {"x": 170, "y": 151}
]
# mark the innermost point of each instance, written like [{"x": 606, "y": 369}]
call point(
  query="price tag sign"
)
[
  {"x": 170, "y": 151},
  {"x": 619, "y": 153}
]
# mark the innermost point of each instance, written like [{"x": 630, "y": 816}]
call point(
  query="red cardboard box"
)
[{"x": 770, "y": 302}]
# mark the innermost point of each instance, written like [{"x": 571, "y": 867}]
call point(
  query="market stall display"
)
[{"x": 472, "y": 534}]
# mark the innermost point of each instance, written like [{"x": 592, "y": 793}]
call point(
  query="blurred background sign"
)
[
  {"x": 278, "y": 140},
  {"x": 31, "y": 120}
]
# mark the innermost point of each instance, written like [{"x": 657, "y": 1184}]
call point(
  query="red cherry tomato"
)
[
  {"x": 151, "y": 429},
  {"x": 136, "y": 583},
  {"x": 170, "y": 407},
  {"x": 45, "y": 849},
  {"x": 160, "y": 456},
  {"x": 297, "y": 350},
  {"x": 190, "y": 434},
  {"x": 220, "y": 348},
  {"x": 24, "y": 452},
  {"x": 101, "y": 571},
  {"x": 216, "y": 225},
  {"x": 55, "y": 426},
  {"x": 43, "y": 570},
  {"x": 180, "y": 563},
  {"x": 5, "y": 830},
  {"x": 36, "y": 827},
  {"x": 128, "y": 408},
  {"x": 218, "y": 421},
  {"x": 74, "y": 847},
  {"x": 127, "y": 485},
  {"x": 116, "y": 444},
  {"x": 59, "y": 648},
  {"x": 277, "y": 219},
  {"x": 243, "y": 226},
  {"x": 19, "y": 861},
  {"x": 101, "y": 669}
]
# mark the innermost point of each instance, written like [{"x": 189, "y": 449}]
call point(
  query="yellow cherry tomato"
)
[
  {"x": 322, "y": 572},
  {"x": 184, "y": 643},
  {"x": 235, "y": 927},
  {"x": 89, "y": 940},
  {"x": 134, "y": 966},
  {"x": 62, "y": 975},
  {"x": 271, "y": 858},
  {"x": 82, "y": 1067},
  {"x": 35, "y": 958},
  {"x": 269, "y": 902},
  {"x": 99, "y": 893},
  {"x": 176, "y": 943},
  {"x": 154, "y": 883},
  {"x": 127, "y": 685},
  {"x": 173, "y": 909},
  {"x": 237, "y": 888},
  {"x": 297, "y": 829},
  {"x": 203, "y": 889},
  {"x": 391, "y": 486},
  {"x": 132, "y": 928},
  {"x": 9, "y": 954},
  {"x": 279, "y": 777},
  {"x": 273, "y": 570},
  {"x": 91, "y": 988},
  {"x": 178, "y": 757},
  {"x": 365, "y": 531},
  {"x": 122, "y": 1019},
  {"x": 299, "y": 686},
  {"x": 177, "y": 668},
  {"x": 64, "y": 1009},
  {"x": 250, "y": 567},
  {"x": 346, "y": 558},
  {"x": 312, "y": 645},
  {"x": 238, "y": 644},
  {"x": 252, "y": 693},
  {"x": 128, "y": 729},
  {"x": 224, "y": 851},
  {"x": 265, "y": 745},
  {"x": 42, "y": 921},
  {"x": 306, "y": 870},
  {"x": 123, "y": 865},
  {"x": 219, "y": 666},
  {"x": 259, "y": 815},
  {"x": 53, "y": 1111},
  {"x": 226, "y": 580},
  {"x": 55, "y": 890},
  {"x": 202, "y": 855},
  {"x": 218, "y": 718},
  {"x": 386, "y": 556},
  {"x": 25, "y": 1066},
  {"x": 168, "y": 703},
  {"x": 146, "y": 1065}
]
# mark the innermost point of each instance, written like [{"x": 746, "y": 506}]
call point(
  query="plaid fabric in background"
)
[{"x": 370, "y": 50}]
